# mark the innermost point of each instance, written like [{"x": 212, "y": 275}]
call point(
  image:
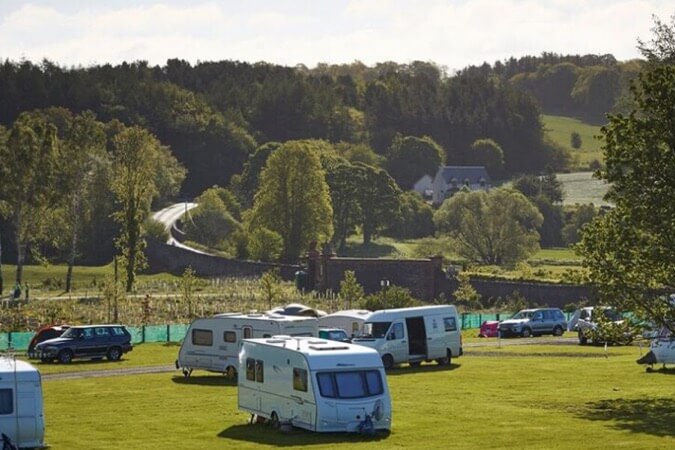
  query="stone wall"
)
[{"x": 551, "y": 294}]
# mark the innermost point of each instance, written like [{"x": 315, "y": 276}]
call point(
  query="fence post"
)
[
  {"x": 142, "y": 334},
  {"x": 168, "y": 332},
  {"x": 9, "y": 340}
]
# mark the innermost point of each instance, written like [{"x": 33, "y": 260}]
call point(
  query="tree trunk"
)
[{"x": 73, "y": 242}]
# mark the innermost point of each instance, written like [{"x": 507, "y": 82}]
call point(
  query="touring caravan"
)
[
  {"x": 21, "y": 406},
  {"x": 413, "y": 335},
  {"x": 213, "y": 343},
  {"x": 350, "y": 320},
  {"x": 314, "y": 384},
  {"x": 661, "y": 350}
]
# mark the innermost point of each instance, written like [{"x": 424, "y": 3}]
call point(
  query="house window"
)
[
  {"x": 450, "y": 323},
  {"x": 6, "y": 401},
  {"x": 230, "y": 336},
  {"x": 299, "y": 379},
  {"x": 202, "y": 337}
]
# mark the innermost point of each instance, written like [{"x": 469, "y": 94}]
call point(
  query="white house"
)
[
  {"x": 451, "y": 179},
  {"x": 425, "y": 187}
]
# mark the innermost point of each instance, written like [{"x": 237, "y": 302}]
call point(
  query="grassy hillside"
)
[
  {"x": 560, "y": 128},
  {"x": 582, "y": 187}
]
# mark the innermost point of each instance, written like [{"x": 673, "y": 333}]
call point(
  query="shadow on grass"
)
[
  {"x": 204, "y": 380},
  {"x": 654, "y": 416},
  {"x": 263, "y": 434},
  {"x": 424, "y": 368}
]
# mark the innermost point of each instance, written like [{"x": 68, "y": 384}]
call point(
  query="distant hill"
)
[{"x": 560, "y": 128}]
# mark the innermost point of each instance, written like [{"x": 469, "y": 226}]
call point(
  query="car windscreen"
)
[{"x": 375, "y": 330}]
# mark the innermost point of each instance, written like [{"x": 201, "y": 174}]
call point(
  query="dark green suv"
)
[{"x": 88, "y": 342}]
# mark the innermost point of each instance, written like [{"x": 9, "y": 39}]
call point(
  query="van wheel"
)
[
  {"x": 65, "y": 356},
  {"x": 526, "y": 332},
  {"x": 274, "y": 420},
  {"x": 558, "y": 331},
  {"x": 445, "y": 361},
  {"x": 387, "y": 362},
  {"x": 114, "y": 354}
]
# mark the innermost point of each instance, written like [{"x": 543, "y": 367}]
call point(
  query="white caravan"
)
[
  {"x": 413, "y": 335},
  {"x": 213, "y": 343},
  {"x": 661, "y": 350},
  {"x": 21, "y": 405},
  {"x": 315, "y": 384},
  {"x": 350, "y": 320}
]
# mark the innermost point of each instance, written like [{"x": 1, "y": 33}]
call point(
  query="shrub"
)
[
  {"x": 393, "y": 297},
  {"x": 265, "y": 245}
]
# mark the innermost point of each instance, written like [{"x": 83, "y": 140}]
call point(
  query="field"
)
[
  {"x": 532, "y": 396},
  {"x": 582, "y": 188},
  {"x": 560, "y": 129}
]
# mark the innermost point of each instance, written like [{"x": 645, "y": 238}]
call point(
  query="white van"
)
[
  {"x": 413, "y": 335},
  {"x": 21, "y": 405},
  {"x": 350, "y": 320},
  {"x": 315, "y": 384},
  {"x": 213, "y": 343}
]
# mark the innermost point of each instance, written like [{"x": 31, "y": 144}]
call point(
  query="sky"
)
[{"x": 450, "y": 33}]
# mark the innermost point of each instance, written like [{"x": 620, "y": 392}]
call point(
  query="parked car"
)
[
  {"x": 489, "y": 328},
  {"x": 612, "y": 328},
  {"x": 86, "y": 341},
  {"x": 534, "y": 322},
  {"x": 43, "y": 334},
  {"x": 334, "y": 334}
]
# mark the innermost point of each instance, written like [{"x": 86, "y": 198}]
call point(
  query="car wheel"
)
[
  {"x": 526, "y": 332},
  {"x": 558, "y": 331},
  {"x": 387, "y": 362},
  {"x": 583, "y": 340},
  {"x": 114, "y": 354},
  {"x": 65, "y": 356}
]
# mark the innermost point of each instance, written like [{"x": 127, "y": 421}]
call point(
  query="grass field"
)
[
  {"x": 583, "y": 188},
  {"x": 543, "y": 396},
  {"x": 560, "y": 129}
]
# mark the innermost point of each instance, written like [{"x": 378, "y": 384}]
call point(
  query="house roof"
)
[{"x": 460, "y": 173}]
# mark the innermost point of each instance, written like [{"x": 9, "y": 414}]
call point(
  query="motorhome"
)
[
  {"x": 413, "y": 335},
  {"x": 350, "y": 320},
  {"x": 213, "y": 343},
  {"x": 21, "y": 404},
  {"x": 314, "y": 384}
]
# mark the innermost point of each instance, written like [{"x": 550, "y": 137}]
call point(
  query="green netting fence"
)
[{"x": 19, "y": 340}]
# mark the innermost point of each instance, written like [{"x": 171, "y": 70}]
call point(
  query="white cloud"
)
[{"x": 450, "y": 32}]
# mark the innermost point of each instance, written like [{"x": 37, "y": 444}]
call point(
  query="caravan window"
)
[
  {"x": 6, "y": 401},
  {"x": 230, "y": 336},
  {"x": 450, "y": 323},
  {"x": 299, "y": 379},
  {"x": 353, "y": 384},
  {"x": 202, "y": 337}
]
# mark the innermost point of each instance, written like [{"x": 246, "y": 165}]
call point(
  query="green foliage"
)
[
  {"x": 389, "y": 298},
  {"x": 293, "y": 199},
  {"x": 575, "y": 140},
  {"x": 247, "y": 185},
  {"x": 410, "y": 158},
  {"x": 344, "y": 183},
  {"x": 265, "y": 245},
  {"x": 575, "y": 220},
  {"x": 559, "y": 130},
  {"x": 378, "y": 198},
  {"x": 495, "y": 227},
  {"x": 548, "y": 186},
  {"x": 487, "y": 153},
  {"x": 351, "y": 291},
  {"x": 360, "y": 153},
  {"x": 155, "y": 230},
  {"x": 415, "y": 218},
  {"x": 188, "y": 282},
  {"x": 465, "y": 294},
  {"x": 271, "y": 288},
  {"x": 629, "y": 251},
  {"x": 210, "y": 223}
]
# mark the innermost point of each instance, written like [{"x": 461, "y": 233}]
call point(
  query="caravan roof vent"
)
[
  {"x": 322, "y": 348},
  {"x": 319, "y": 341}
]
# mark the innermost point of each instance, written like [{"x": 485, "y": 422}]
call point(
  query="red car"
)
[
  {"x": 489, "y": 328},
  {"x": 44, "y": 333}
]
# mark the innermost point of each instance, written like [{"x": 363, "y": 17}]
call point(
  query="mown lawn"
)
[
  {"x": 560, "y": 129},
  {"x": 543, "y": 396}
]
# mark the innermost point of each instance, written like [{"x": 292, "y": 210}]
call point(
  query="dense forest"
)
[{"x": 218, "y": 118}]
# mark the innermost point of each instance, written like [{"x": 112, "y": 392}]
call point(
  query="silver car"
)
[{"x": 534, "y": 322}]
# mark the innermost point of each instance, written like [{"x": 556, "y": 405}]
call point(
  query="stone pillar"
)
[{"x": 313, "y": 266}]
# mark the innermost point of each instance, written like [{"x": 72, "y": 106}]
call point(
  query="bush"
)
[
  {"x": 265, "y": 245},
  {"x": 155, "y": 230},
  {"x": 393, "y": 297}
]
